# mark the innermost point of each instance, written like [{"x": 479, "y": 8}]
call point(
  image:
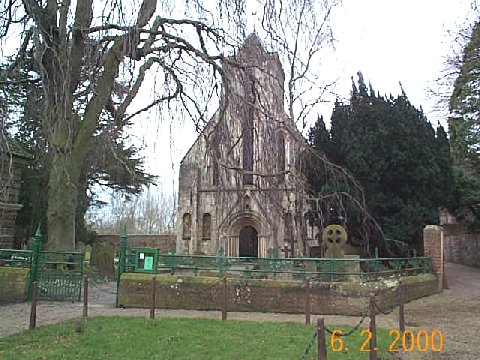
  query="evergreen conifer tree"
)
[
  {"x": 392, "y": 150},
  {"x": 113, "y": 162}
]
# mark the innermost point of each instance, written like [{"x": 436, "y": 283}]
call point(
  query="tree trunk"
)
[
  {"x": 61, "y": 60},
  {"x": 62, "y": 199}
]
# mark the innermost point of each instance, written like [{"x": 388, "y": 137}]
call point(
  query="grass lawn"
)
[{"x": 167, "y": 338}]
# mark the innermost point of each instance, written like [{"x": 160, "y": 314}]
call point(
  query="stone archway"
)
[
  {"x": 248, "y": 242},
  {"x": 235, "y": 223}
]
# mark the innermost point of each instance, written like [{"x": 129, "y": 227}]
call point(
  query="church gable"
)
[{"x": 239, "y": 169}]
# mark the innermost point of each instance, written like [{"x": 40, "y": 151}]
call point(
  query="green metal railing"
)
[
  {"x": 121, "y": 259},
  {"x": 59, "y": 275},
  {"x": 292, "y": 268},
  {"x": 16, "y": 258},
  {"x": 274, "y": 267}
]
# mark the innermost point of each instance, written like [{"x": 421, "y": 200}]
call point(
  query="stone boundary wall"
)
[
  {"x": 261, "y": 295},
  {"x": 164, "y": 242},
  {"x": 13, "y": 284},
  {"x": 462, "y": 248}
]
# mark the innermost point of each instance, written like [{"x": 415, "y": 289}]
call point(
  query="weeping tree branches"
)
[
  {"x": 335, "y": 196},
  {"x": 94, "y": 60},
  {"x": 303, "y": 35},
  {"x": 81, "y": 59}
]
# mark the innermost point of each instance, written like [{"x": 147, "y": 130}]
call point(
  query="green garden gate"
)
[{"x": 59, "y": 275}]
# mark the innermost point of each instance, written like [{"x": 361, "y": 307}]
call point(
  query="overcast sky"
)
[
  {"x": 392, "y": 41},
  {"x": 389, "y": 41}
]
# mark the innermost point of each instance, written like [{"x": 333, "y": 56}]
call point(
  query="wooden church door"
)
[{"x": 248, "y": 239}]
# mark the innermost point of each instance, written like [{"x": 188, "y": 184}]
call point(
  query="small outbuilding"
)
[{"x": 12, "y": 159}]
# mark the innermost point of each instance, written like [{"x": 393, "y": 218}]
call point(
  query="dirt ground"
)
[{"x": 455, "y": 311}]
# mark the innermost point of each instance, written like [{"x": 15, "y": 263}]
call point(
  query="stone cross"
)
[
  {"x": 287, "y": 251},
  {"x": 334, "y": 237}
]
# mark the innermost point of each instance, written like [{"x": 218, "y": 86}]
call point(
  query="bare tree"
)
[
  {"x": 151, "y": 212},
  {"x": 93, "y": 58}
]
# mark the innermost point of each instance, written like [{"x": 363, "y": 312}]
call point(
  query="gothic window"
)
[
  {"x": 207, "y": 226},
  {"x": 215, "y": 172},
  {"x": 246, "y": 202},
  {"x": 187, "y": 226},
  {"x": 281, "y": 157},
  {"x": 248, "y": 147},
  {"x": 215, "y": 152}
]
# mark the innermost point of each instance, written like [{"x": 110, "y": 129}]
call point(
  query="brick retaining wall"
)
[
  {"x": 261, "y": 295},
  {"x": 164, "y": 242}
]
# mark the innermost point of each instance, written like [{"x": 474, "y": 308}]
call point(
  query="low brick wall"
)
[
  {"x": 164, "y": 242},
  {"x": 462, "y": 249},
  {"x": 13, "y": 284},
  {"x": 261, "y": 295}
]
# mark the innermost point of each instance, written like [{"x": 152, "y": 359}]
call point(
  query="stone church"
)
[{"x": 238, "y": 188}]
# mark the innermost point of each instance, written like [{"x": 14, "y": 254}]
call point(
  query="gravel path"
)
[{"x": 455, "y": 311}]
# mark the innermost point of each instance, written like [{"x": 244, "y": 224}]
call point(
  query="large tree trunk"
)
[
  {"x": 62, "y": 199},
  {"x": 60, "y": 52}
]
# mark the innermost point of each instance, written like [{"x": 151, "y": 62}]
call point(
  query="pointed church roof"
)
[
  {"x": 253, "y": 40},
  {"x": 252, "y": 46}
]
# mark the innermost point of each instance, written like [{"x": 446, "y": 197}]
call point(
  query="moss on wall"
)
[
  {"x": 13, "y": 284},
  {"x": 264, "y": 295}
]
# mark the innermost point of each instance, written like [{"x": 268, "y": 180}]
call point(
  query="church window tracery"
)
[
  {"x": 281, "y": 157},
  {"x": 246, "y": 202},
  {"x": 248, "y": 134}
]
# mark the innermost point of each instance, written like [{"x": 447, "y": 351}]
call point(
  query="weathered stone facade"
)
[
  {"x": 238, "y": 186},
  {"x": 12, "y": 158}
]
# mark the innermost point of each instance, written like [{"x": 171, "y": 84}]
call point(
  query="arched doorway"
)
[{"x": 248, "y": 242}]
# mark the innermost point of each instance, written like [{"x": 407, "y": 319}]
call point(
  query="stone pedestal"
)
[
  {"x": 352, "y": 266},
  {"x": 433, "y": 246}
]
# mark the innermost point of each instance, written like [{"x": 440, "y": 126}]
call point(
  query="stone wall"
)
[
  {"x": 452, "y": 243},
  {"x": 463, "y": 248},
  {"x": 13, "y": 284},
  {"x": 164, "y": 242},
  {"x": 261, "y": 295}
]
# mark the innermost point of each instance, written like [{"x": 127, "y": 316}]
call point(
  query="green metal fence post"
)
[
  {"x": 221, "y": 262},
  {"x": 415, "y": 262},
  {"x": 122, "y": 259},
  {"x": 37, "y": 246},
  {"x": 123, "y": 250},
  {"x": 273, "y": 263}
]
